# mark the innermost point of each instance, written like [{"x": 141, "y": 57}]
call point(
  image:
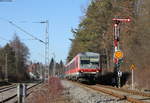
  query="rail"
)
[
  {"x": 15, "y": 95},
  {"x": 127, "y": 91},
  {"x": 3, "y": 89},
  {"x": 114, "y": 92}
]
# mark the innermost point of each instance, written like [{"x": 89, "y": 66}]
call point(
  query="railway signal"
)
[
  {"x": 121, "y": 20},
  {"x": 119, "y": 73},
  {"x": 118, "y": 54}
]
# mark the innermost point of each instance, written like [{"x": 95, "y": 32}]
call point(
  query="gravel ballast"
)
[{"x": 79, "y": 94}]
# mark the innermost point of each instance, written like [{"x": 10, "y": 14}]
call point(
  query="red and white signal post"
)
[{"x": 118, "y": 54}]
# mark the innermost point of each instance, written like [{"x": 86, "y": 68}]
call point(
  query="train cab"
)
[{"x": 84, "y": 66}]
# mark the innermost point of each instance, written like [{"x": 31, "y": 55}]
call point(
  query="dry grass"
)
[
  {"x": 142, "y": 78},
  {"x": 48, "y": 93}
]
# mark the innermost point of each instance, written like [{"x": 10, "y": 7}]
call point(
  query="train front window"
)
[
  {"x": 89, "y": 62},
  {"x": 85, "y": 62}
]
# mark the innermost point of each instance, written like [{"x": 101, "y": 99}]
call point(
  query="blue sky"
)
[{"x": 62, "y": 15}]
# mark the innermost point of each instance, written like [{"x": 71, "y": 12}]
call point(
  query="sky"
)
[{"x": 63, "y": 15}]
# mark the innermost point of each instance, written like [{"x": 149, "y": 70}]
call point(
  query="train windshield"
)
[{"x": 89, "y": 62}]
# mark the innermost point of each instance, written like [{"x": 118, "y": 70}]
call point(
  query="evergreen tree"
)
[
  {"x": 51, "y": 66},
  {"x": 95, "y": 33}
]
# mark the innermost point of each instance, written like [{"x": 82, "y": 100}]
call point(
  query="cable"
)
[
  {"x": 26, "y": 32},
  {"x": 13, "y": 24},
  {"x": 4, "y": 39}
]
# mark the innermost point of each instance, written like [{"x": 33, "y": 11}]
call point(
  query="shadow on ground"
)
[
  {"x": 108, "y": 79},
  {"x": 4, "y": 83}
]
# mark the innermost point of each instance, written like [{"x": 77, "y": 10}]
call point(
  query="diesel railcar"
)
[{"x": 84, "y": 66}]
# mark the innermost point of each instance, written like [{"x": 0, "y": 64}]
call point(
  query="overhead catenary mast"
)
[
  {"x": 47, "y": 51},
  {"x": 46, "y": 42}
]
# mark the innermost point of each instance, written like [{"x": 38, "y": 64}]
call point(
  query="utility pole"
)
[
  {"x": 6, "y": 68},
  {"x": 17, "y": 58},
  {"x": 118, "y": 54}
]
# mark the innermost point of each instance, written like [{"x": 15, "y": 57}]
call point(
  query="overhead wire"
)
[
  {"x": 29, "y": 34},
  {"x": 15, "y": 25},
  {"x": 4, "y": 39}
]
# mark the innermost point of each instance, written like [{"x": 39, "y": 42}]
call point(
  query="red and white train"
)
[{"x": 84, "y": 66}]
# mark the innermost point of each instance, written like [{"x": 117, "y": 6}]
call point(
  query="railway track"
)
[
  {"x": 133, "y": 92},
  {"x": 6, "y": 88},
  {"x": 3, "y": 87},
  {"x": 122, "y": 94},
  {"x": 9, "y": 93}
]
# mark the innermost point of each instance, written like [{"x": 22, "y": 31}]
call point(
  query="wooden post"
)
[
  {"x": 6, "y": 68},
  {"x": 21, "y": 92}
]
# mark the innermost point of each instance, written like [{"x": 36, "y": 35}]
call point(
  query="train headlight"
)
[
  {"x": 81, "y": 71},
  {"x": 97, "y": 71}
]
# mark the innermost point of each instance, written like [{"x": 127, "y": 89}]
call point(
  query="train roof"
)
[
  {"x": 83, "y": 54},
  {"x": 88, "y": 54}
]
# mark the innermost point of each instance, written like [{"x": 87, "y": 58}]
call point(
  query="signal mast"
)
[{"x": 118, "y": 54}]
